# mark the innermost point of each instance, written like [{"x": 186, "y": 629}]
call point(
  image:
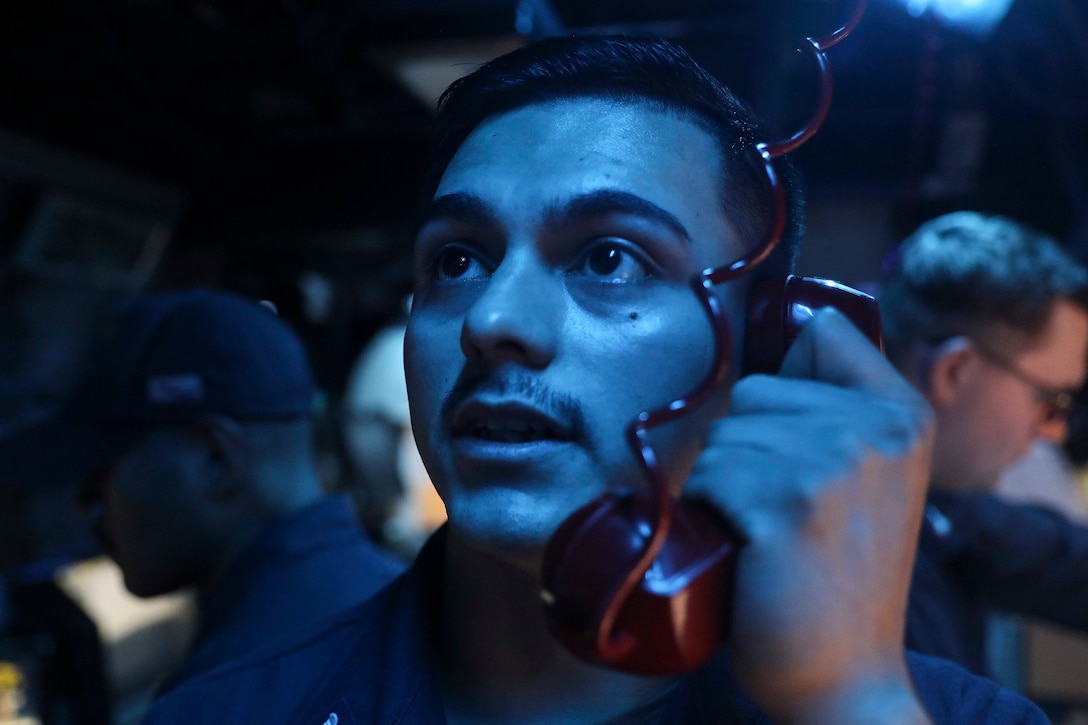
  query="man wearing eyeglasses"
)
[{"x": 989, "y": 320}]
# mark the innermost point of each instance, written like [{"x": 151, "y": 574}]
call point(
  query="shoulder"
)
[
  {"x": 954, "y": 696},
  {"x": 267, "y": 683},
  {"x": 328, "y": 531},
  {"x": 367, "y": 665}
]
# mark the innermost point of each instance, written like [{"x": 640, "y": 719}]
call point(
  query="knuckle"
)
[{"x": 895, "y": 425}]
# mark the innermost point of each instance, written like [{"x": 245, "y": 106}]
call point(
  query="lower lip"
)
[{"x": 482, "y": 450}]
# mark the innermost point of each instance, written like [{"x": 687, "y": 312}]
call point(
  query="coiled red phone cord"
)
[{"x": 610, "y": 644}]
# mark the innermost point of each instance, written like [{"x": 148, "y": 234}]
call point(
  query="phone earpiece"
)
[{"x": 778, "y": 309}]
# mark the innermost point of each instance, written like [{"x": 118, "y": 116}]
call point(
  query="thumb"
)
[{"x": 830, "y": 349}]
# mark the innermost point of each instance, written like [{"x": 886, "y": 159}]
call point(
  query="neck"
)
[
  {"x": 501, "y": 664},
  {"x": 262, "y": 501}
]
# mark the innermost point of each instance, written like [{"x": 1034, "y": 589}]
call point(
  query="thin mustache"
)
[{"x": 522, "y": 388}]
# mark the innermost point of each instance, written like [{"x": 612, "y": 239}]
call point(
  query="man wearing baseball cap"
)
[{"x": 190, "y": 435}]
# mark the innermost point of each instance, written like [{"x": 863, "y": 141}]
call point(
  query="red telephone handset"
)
[{"x": 678, "y": 614}]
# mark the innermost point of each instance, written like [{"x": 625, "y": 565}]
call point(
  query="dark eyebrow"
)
[
  {"x": 471, "y": 209},
  {"x": 464, "y": 207},
  {"x": 611, "y": 201}
]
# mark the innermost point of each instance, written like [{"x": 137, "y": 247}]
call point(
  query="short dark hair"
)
[
  {"x": 628, "y": 69},
  {"x": 965, "y": 272}
]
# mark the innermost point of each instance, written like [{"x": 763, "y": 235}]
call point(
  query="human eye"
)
[
  {"x": 611, "y": 260},
  {"x": 456, "y": 262}
]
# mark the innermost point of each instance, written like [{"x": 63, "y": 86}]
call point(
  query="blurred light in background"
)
[{"x": 976, "y": 17}]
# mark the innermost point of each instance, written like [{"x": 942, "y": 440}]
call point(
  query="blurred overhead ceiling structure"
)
[{"x": 313, "y": 113}]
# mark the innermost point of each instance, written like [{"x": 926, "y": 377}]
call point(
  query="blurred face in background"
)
[
  {"x": 1006, "y": 398},
  {"x": 151, "y": 510},
  {"x": 392, "y": 491}
]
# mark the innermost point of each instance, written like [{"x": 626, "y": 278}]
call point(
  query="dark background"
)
[{"x": 277, "y": 144}]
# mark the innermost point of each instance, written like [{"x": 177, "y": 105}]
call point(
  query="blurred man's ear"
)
[
  {"x": 228, "y": 456},
  {"x": 946, "y": 371}
]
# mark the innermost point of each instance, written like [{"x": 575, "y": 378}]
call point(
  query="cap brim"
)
[{"x": 58, "y": 451}]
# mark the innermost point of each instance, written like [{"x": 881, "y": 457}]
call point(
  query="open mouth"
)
[
  {"x": 508, "y": 423},
  {"x": 499, "y": 430}
]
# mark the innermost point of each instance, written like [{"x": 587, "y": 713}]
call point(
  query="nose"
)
[{"x": 517, "y": 317}]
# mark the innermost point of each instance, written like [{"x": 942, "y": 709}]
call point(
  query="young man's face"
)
[{"x": 553, "y": 304}]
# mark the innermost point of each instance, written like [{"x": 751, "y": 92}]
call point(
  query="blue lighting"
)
[{"x": 977, "y": 17}]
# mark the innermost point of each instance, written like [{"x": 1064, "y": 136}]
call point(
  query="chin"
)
[{"x": 507, "y": 523}]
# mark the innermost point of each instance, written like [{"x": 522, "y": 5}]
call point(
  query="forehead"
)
[{"x": 547, "y": 152}]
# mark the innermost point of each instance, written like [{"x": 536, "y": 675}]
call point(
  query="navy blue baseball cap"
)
[{"x": 166, "y": 359}]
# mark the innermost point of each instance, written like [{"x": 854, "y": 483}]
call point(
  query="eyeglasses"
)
[{"x": 1055, "y": 402}]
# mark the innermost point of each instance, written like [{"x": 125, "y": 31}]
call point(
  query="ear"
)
[
  {"x": 228, "y": 456},
  {"x": 946, "y": 371}
]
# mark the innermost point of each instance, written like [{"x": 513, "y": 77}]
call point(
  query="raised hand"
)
[{"x": 824, "y": 469}]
